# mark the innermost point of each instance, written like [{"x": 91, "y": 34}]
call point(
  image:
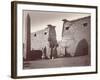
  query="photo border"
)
[{"x": 14, "y": 37}]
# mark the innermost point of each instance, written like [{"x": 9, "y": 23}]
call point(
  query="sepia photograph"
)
[
  {"x": 56, "y": 39},
  {"x": 50, "y": 39}
]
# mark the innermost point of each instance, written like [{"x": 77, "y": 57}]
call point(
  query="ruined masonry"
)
[{"x": 75, "y": 39}]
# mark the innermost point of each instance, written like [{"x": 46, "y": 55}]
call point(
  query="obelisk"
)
[{"x": 27, "y": 36}]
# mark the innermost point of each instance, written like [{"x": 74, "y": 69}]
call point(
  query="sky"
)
[{"x": 40, "y": 19}]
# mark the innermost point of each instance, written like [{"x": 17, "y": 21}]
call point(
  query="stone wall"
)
[
  {"x": 39, "y": 39},
  {"x": 75, "y": 38},
  {"x": 74, "y": 32},
  {"x": 45, "y": 38}
]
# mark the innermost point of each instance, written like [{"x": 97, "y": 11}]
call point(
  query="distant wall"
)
[
  {"x": 44, "y": 38},
  {"x": 39, "y": 39}
]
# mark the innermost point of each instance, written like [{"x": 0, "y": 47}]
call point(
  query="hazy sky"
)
[{"x": 40, "y": 19}]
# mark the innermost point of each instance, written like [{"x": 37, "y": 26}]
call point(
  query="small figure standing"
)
[
  {"x": 54, "y": 52},
  {"x": 44, "y": 56}
]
